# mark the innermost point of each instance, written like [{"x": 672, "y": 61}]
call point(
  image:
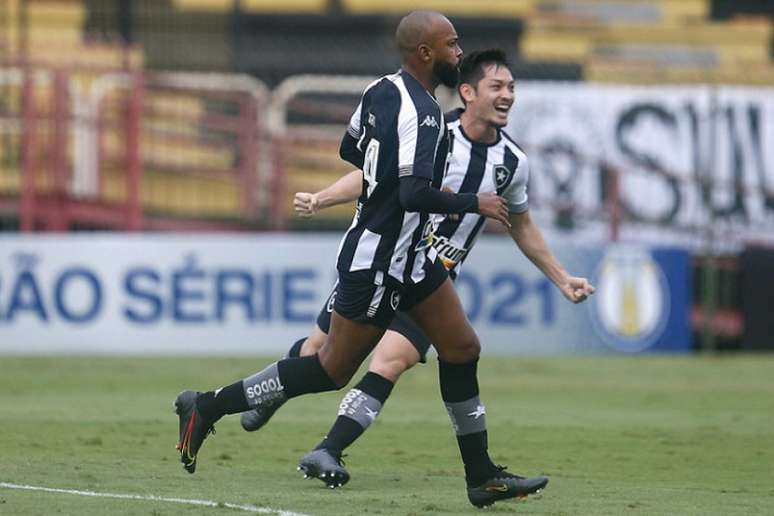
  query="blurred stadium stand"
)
[{"x": 640, "y": 42}]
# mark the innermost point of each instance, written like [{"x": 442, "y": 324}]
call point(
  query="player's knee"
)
[
  {"x": 341, "y": 380},
  {"x": 393, "y": 367},
  {"x": 339, "y": 372},
  {"x": 310, "y": 347},
  {"x": 466, "y": 349},
  {"x": 471, "y": 348},
  {"x": 339, "y": 377},
  {"x": 312, "y": 344}
]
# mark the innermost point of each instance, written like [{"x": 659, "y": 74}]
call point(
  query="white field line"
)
[{"x": 205, "y": 503}]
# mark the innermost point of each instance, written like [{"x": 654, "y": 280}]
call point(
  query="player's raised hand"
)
[
  {"x": 493, "y": 206},
  {"x": 577, "y": 289},
  {"x": 306, "y": 204}
]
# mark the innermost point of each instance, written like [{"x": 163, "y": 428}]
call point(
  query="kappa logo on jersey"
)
[
  {"x": 429, "y": 121},
  {"x": 503, "y": 177},
  {"x": 394, "y": 299}
]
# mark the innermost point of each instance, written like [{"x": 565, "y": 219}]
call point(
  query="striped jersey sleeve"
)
[
  {"x": 516, "y": 192},
  {"x": 419, "y": 131}
]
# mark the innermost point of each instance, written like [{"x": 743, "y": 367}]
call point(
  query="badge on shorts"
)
[
  {"x": 394, "y": 299},
  {"x": 331, "y": 301}
]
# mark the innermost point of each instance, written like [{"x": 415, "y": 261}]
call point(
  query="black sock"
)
[
  {"x": 295, "y": 349},
  {"x": 213, "y": 405},
  {"x": 277, "y": 382},
  {"x": 304, "y": 375},
  {"x": 357, "y": 411},
  {"x": 459, "y": 390}
]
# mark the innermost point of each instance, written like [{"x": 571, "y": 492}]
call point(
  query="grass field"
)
[{"x": 645, "y": 435}]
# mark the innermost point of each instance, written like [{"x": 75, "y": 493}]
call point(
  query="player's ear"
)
[
  {"x": 424, "y": 52},
  {"x": 467, "y": 92}
]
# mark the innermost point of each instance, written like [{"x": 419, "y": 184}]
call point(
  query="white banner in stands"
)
[{"x": 667, "y": 142}]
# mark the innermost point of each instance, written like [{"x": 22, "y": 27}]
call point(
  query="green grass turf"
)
[{"x": 640, "y": 435}]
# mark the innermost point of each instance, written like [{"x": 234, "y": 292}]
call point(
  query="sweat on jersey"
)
[
  {"x": 475, "y": 167},
  {"x": 397, "y": 130}
]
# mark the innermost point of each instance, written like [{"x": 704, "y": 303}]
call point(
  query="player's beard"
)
[{"x": 446, "y": 73}]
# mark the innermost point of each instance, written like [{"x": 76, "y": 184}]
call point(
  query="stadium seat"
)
[
  {"x": 491, "y": 8},
  {"x": 205, "y": 5},
  {"x": 275, "y": 6},
  {"x": 639, "y": 73}
]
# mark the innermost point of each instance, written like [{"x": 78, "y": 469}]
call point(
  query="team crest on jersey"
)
[
  {"x": 371, "y": 120},
  {"x": 502, "y": 177}
]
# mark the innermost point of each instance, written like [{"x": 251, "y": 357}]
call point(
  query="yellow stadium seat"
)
[
  {"x": 204, "y": 5},
  {"x": 683, "y": 10},
  {"x": 515, "y": 8},
  {"x": 295, "y": 6},
  {"x": 556, "y": 45},
  {"x": 709, "y": 34},
  {"x": 56, "y": 14},
  {"x": 616, "y": 72}
]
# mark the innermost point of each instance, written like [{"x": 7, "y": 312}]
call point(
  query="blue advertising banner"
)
[
  {"x": 220, "y": 294},
  {"x": 641, "y": 303}
]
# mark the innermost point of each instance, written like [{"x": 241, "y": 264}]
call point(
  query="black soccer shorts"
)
[{"x": 400, "y": 322}]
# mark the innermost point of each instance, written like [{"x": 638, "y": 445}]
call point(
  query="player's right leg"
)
[
  {"x": 365, "y": 304},
  {"x": 458, "y": 350}
]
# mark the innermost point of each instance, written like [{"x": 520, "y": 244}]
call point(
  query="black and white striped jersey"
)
[
  {"x": 474, "y": 167},
  {"x": 397, "y": 130}
]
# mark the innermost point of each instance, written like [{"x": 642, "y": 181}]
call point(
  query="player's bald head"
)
[{"x": 420, "y": 27}]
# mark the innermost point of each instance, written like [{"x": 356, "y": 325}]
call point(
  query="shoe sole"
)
[
  {"x": 522, "y": 496},
  {"x": 332, "y": 479}
]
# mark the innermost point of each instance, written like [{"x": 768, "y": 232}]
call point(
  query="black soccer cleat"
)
[
  {"x": 503, "y": 486},
  {"x": 325, "y": 465},
  {"x": 255, "y": 419},
  {"x": 193, "y": 429}
]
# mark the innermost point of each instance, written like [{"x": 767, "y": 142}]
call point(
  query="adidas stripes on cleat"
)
[{"x": 193, "y": 429}]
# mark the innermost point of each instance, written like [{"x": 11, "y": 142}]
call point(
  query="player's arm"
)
[
  {"x": 348, "y": 150},
  {"x": 416, "y": 156},
  {"x": 346, "y": 189},
  {"x": 529, "y": 238}
]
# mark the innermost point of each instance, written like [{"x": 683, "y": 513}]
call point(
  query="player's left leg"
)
[
  {"x": 402, "y": 346},
  {"x": 363, "y": 310},
  {"x": 256, "y": 418},
  {"x": 394, "y": 355}
]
